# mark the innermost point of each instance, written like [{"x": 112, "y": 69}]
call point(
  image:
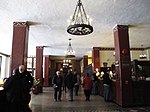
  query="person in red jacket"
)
[{"x": 87, "y": 86}]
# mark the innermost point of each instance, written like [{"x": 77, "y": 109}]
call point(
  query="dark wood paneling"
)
[{"x": 141, "y": 96}]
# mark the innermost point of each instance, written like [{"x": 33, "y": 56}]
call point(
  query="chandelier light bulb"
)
[
  {"x": 71, "y": 17},
  {"x": 88, "y": 16},
  {"x": 79, "y": 14}
]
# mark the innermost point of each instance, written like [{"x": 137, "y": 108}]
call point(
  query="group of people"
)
[
  {"x": 17, "y": 88},
  {"x": 71, "y": 81}
]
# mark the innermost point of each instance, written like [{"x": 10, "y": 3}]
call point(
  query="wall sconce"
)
[
  {"x": 96, "y": 69},
  {"x": 142, "y": 55}
]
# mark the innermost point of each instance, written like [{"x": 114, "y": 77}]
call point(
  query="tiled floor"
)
[{"x": 44, "y": 102}]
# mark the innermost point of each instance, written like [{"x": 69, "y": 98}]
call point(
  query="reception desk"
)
[{"x": 141, "y": 93}]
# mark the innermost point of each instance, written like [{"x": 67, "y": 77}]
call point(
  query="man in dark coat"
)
[
  {"x": 70, "y": 81},
  {"x": 95, "y": 84},
  {"x": 57, "y": 84},
  {"x": 18, "y": 90}
]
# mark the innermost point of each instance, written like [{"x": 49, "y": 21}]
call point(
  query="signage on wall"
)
[{"x": 124, "y": 52}]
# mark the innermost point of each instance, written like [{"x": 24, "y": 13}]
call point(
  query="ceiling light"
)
[
  {"x": 79, "y": 23},
  {"x": 70, "y": 53}
]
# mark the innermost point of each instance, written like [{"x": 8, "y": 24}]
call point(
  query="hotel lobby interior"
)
[{"x": 84, "y": 36}]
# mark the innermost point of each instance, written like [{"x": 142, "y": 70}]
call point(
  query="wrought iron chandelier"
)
[
  {"x": 70, "y": 53},
  {"x": 79, "y": 23}
]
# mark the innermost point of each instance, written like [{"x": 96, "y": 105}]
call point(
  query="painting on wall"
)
[{"x": 0, "y": 64}]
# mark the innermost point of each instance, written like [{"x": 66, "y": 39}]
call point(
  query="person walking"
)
[
  {"x": 77, "y": 83},
  {"x": 64, "y": 85},
  {"x": 18, "y": 88},
  {"x": 87, "y": 86},
  {"x": 69, "y": 82},
  {"x": 107, "y": 82},
  {"x": 57, "y": 84},
  {"x": 95, "y": 84}
]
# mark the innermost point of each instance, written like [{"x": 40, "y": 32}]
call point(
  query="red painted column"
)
[
  {"x": 96, "y": 58},
  {"x": 46, "y": 71},
  {"x": 123, "y": 65},
  {"x": 19, "y": 44},
  {"x": 85, "y": 61},
  {"x": 39, "y": 64}
]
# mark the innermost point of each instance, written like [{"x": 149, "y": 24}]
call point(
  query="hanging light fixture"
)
[
  {"x": 67, "y": 63},
  {"x": 79, "y": 23},
  {"x": 70, "y": 53},
  {"x": 142, "y": 55}
]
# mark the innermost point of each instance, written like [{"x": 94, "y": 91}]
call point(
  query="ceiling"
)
[{"x": 48, "y": 24}]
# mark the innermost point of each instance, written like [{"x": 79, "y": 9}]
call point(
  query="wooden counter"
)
[{"x": 141, "y": 93}]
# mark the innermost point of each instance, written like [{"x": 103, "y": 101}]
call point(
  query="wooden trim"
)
[{"x": 112, "y": 49}]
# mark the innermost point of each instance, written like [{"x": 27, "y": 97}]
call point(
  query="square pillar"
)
[
  {"x": 96, "y": 58},
  {"x": 123, "y": 66},
  {"x": 39, "y": 64},
  {"x": 46, "y": 71},
  {"x": 19, "y": 44}
]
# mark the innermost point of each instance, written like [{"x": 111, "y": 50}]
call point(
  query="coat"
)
[
  {"x": 87, "y": 83},
  {"x": 18, "y": 87},
  {"x": 58, "y": 81},
  {"x": 70, "y": 80},
  {"x": 106, "y": 79}
]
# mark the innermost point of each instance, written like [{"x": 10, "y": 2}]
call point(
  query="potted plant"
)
[{"x": 36, "y": 86}]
